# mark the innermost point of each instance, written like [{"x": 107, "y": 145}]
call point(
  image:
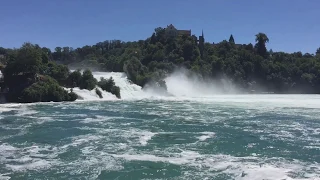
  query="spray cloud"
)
[{"x": 183, "y": 82}]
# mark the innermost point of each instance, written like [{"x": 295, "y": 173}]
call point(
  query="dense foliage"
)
[
  {"x": 75, "y": 79},
  {"x": 109, "y": 86},
  {"x": 251, "y": 67},
  {"x": 46, "y": 91},
  {"x": 87, "y": 80},
  {"x": 31, "y": 76}
]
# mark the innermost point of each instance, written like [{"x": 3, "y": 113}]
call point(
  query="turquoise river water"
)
[{"x": 220, "y": 137}]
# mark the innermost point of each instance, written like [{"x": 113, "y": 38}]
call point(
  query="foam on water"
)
[
  {"x": 8, "y": 107},
  {"x": 183, "y": 132},
  {"x": 4, "y": 177},
  {"x": 251, "y": 168},
  {"x": 88, "y": 95},
  {"x": 145, "y": 137},
  {"x": 27, "y": 158},
  {"x": 206, "y": 136}
]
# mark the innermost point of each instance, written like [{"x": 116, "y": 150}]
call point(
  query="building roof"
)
[
  {"x": 180, "y": 31},
  {"x": 185, "y": 32}
]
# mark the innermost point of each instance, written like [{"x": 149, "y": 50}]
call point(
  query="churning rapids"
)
[{"x": 149, "y": 136}]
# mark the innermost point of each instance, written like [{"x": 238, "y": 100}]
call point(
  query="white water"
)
[
  {"x": 186, "y": 88},
  {"x": 128, "y": 90},
  {"x": 131, "y": 91},
  {"x": 87, "y": 95},
  {"x": 38, "y": 157},
  {"x": 182, "y": 83},
  {"x": 178, "y": 85}
]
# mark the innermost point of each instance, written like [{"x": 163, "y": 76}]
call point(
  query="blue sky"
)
[{"x": 291, "y": 25}]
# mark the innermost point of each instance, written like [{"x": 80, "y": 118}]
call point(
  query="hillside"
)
[{"x": 250, "y": 67}]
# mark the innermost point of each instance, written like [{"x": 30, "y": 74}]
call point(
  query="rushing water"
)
[
  {"x": 146, "y": 136},
  {"x": 222, "y": 137}
]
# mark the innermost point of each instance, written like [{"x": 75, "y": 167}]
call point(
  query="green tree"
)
[
  {"x": 153, "y": 39},
  {"x": 3, "y": 51},
  {"x": 231, "y": 39},
  {"x": 187, "y": 50},
  {"x": 109, "y": 86},
  {"x": 318, "y": 51},
  {"x": 27, "y": 60},
  {"x": 132, "y": 68},
  {"x": 87, "y": 80},
  {"x": 57, "y": 55},
  {"x": 45, "y": 91},
  {"x": 151, "y": 60},
  {"x": 261, "y": 40},
  {"x": 74, "y": 79}
]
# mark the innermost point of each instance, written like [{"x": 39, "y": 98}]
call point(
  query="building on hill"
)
[
  {"x": 174, "y": 32},
  {"x": 171, "y": 31},
  {"x": 184, "y": 32}
]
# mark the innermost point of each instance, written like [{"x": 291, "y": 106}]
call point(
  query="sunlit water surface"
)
[{"x": 221, "y": 137}]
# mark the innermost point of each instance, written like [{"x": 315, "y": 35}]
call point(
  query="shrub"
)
[
  {"x": 106, "y": 84},
  {"x": 116, "y": 91},
  {"x": 74, "y": 78},
  {"x": 98, "y": 92},
  {"x": 109, "y": 86},
  {"x": 46, "y": 91},
  {"x": 88, "y": 81},
  {"x": 73, "y": 96}
]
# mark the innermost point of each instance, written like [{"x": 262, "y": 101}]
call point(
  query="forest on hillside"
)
[
  {"x": 252, "y": 67},
  {"x": 29, "y": 75}
]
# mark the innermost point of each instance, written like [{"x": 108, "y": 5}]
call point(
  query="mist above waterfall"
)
[{"x": 182, "y": 82}]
